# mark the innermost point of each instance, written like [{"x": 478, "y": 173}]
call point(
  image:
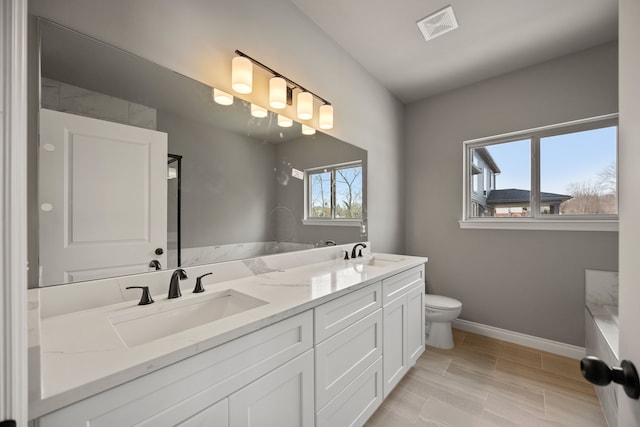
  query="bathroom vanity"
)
[{"x": 313, "y": 340}]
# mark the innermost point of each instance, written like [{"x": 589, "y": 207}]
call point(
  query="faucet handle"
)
[
  {"x": 145, "y": 298},
  {"x": 199, "y": 288},
  {"x": 346, "y": 255},
  {"x": 155, "y": 264}
]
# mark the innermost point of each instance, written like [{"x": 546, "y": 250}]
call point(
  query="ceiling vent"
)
[{"x": 438, "y": 23}]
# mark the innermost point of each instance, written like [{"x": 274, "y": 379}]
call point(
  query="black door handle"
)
[{"x": 597, "y": 372}]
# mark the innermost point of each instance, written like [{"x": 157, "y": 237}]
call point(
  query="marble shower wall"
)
[{"x": 64, "y": 97}]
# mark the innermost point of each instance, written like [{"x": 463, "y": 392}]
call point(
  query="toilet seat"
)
[{"x": 441, "y": 302}]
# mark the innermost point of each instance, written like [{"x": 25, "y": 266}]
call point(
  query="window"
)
[
  {"x": 335, "y": 193},
  {"x": 557, "y": 177}
]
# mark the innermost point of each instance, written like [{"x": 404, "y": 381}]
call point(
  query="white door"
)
[
  {"x": 13, "y": 212},
  {"x": 103, "y": 198},
  {"x": 629, "y": 175}
]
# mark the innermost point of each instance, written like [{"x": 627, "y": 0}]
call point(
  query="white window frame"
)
[
  {"x": 537, "y": 221},
  {"x": 344, "y": 222}
]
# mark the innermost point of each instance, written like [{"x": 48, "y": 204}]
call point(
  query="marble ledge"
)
[
  {"x": 601, "y": 300},
  {"x": 81, "y": 353}
]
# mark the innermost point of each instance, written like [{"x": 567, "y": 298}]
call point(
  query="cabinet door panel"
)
[
  {"x": 394, "y": 332},
  {"x": 282, "y": 398},
  {"x": 415, "y": 324}
]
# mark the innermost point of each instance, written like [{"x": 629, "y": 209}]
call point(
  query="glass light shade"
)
[
  {"x": 305, "y": 105},
  {"x": 325, "y": 121},
  {"x": 284, "y": 122},
  {"x": 277, "y": 93},
  {"x": 221, "y": 97},
  {"x": 258, "y": 111},
  {"x": 241, "y": 75},
  {"x": 308, "y": 130}
]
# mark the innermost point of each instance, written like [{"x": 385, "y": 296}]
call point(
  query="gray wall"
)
[
  {"x": 526, "y": 281},
  {"x": 305, "y": 153},
  {"x": 227, "y": 178},
  {"x": 198, "y": 38}
]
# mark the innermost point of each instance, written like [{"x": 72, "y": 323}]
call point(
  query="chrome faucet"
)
[
  {"x": 174, "y": 284},
  {"x": 353, "y": 251}
]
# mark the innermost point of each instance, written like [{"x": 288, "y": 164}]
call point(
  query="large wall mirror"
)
[{"x": 139, "y": 169}]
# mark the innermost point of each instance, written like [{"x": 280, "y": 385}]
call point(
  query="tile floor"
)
[{"x": 487, "y": 382}]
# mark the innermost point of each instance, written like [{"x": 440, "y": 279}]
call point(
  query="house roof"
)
[
  {"x": 488, "y": 159},
  {"x": 514, "y": 195}
]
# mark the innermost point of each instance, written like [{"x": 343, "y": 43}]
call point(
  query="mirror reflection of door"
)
[{"x": 103, "y": 198}]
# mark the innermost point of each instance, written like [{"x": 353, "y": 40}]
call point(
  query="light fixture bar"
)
[{"x": 277, "y": 74}]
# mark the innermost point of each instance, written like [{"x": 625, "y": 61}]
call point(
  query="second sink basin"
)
[
  {"x": 177, "y": 316},
  {"x": 382, "y": 260}
]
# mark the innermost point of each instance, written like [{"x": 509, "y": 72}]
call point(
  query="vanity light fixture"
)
[
  {"x": 241, "y": 75},
  {"x": 305, "y": 105},
  {"x": 308, "y": 130},
  {"x": 221, "y": 97},
  {"x": 281, "y": 94},
  {"x": 284, "y": 122},
  {"x": 258, "y": 111},
  {"x": 278, "y": 93},
  {"x": 325, "y": 121}
]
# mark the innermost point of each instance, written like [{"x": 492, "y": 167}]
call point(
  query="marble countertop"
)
[{"x": 82, "y": 354}]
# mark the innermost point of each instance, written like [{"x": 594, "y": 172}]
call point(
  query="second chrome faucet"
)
[{"x": 355, "y": 247}]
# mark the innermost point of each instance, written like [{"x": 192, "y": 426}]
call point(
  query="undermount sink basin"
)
[
  {"x": 382, "y": 260},
  {"x": 177, "y": 316}
]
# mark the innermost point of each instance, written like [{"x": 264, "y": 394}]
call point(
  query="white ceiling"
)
[{"x": 495, "y": 37}]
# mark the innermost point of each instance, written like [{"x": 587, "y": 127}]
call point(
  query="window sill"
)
[
  {"x": 532, "y": 224},
  {"x": 334, "y": 222}
]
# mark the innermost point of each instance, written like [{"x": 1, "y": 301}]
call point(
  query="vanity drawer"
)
[
  {"x": 395, "y": 286},
  {"x": 357, "y": 402},
  {"x": 336, "y": 315},
  {"x": 344, "y": 356}
]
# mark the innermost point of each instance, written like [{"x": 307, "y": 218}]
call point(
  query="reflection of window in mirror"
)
[{"x": 335, "y": 192}]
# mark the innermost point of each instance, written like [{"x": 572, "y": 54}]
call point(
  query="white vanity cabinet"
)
[
  {"x": 349, "y": 358},
  {"x": 228, "y": 385},
  {"x": 331, "y": 365},
  {"x": 403, "y": 324}
]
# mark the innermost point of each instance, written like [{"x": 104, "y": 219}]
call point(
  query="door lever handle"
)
[{"x": 597, "y": 372}]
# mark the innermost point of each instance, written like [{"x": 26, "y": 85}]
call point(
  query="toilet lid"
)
[{"x": 441, "y": 302}]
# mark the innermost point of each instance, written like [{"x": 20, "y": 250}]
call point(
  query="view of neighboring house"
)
[{"x": 486, "y": 200}]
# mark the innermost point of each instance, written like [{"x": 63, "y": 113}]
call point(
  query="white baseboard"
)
[{"x": 543, "y": 344}]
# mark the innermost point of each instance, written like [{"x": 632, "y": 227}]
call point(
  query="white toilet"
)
[{"x": 439, "y": 312}]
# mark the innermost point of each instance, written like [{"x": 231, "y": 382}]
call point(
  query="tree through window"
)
[{"x": 335, "y": 192}]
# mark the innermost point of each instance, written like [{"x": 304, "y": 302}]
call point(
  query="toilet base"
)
[{"x": 439, "y": 335}]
